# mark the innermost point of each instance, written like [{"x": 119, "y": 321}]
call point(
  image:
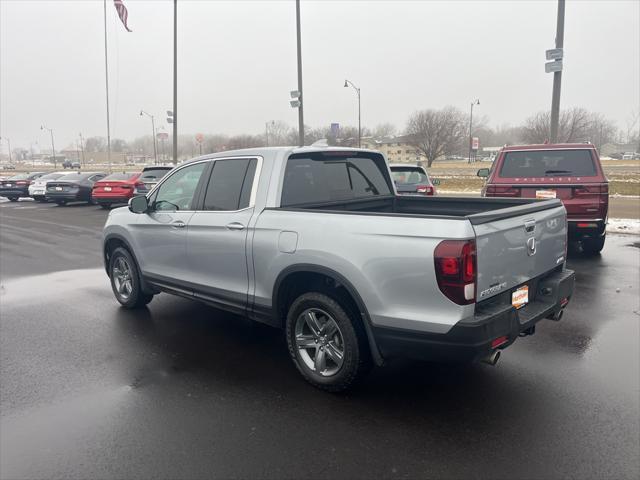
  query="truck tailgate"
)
[{"x": 515, "y": 249}]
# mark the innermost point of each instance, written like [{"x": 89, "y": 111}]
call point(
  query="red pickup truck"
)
[{"x": 570, "y": 172}]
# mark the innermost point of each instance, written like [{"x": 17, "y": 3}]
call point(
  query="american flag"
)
[{"x": 122, "y": 13}]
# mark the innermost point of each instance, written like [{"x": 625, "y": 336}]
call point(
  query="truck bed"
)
[{"x": 476, "y": 210}]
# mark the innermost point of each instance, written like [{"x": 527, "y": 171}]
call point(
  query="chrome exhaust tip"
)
[{"x": 492, "y": 358}]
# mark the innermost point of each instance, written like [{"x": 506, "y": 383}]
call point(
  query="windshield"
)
[
  {"x": 19, "y": 176},
  {"x": 120, "y": 176},
  {"x": 409, "y": 175},
  {"x": 51, "y": 176},
  {"x": 331, "y": 176},
  {"x": 548, "y": 163},
  {"x": 154, "y": 174},
  {"x": 73, "y": 177}
]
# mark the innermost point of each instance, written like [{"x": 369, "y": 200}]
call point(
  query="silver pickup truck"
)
[{"x": 317, "y": 242}]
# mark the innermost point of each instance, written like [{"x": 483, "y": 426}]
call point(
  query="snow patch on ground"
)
[{"x": 624, "y": 225}]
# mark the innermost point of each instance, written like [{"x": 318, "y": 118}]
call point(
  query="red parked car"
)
[
  {"x": 117, "y": 188},
  {"x": 569, "y": 172}
]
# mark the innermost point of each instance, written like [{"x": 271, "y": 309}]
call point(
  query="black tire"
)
[
  {"x": 61, "y": 203},
  {"x": 40, "y": 199},
  {"x": 356, "y": 360},
  {"x": 593, "y": 246},
  {"x": 106, "y": 206},
  {"x": 13, "y": 199},
  {"x": 135, "y": 298}
]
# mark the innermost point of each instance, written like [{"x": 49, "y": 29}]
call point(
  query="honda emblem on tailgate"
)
[{"x": 531, "y": 246}]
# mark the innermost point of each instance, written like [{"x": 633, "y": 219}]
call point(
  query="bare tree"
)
[
  {"x": 601, "y": 130},
  {"x": 279, "y": 133},
  {"x": 384, "y": 130},
  {"x": 574, "y": 125},
  {"x": 436, "y": 132}
]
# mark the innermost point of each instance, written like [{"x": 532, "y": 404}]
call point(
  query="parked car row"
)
[{"x": 92, "y": 187}]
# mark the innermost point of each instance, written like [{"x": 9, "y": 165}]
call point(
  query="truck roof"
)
[
  {"x": 275, "y": 150},
  {"x": 549, "y": 146}
]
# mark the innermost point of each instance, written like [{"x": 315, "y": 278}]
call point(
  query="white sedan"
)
[{"x": 38, "y": 188}]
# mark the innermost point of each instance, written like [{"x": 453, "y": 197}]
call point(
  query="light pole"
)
[
  {"x": 84, "y": 163},
  {"x": 300, "y": 96},
  {"x": 475, "y": 102},
  {"x": 557, "y": 76},
  {"x": 346, "y": 84},
  {"x": 8, "y": 146},
  {"x": 153, "y": 135},
  {"x": 53, "y": 147}
]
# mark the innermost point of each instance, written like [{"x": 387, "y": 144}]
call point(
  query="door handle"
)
[
  {"x": 235, "y": 226},
  {"x": 178, "y": 224}
]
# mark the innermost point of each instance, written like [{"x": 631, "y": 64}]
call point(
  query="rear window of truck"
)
[
  {"x": 409, "y": 175},
  {"x": 328, "y": 177},
  {"x": 548, "y": 163}
]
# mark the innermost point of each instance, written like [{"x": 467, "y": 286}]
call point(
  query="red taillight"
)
[
  {"x": 591, "y": 190},
  {"x": 455, "y": 262},
  {"x": 426, "y": 189},
  {"x": 126, "y": 187},
  {"x": 499, "y": 341},
  {"x": 587, "y": 225},
  {"x": 497, "y": 191},
  {"x": 22, "y": 182}
]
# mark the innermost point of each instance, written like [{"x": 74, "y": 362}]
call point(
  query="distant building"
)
[{"x": 396, "y": 149}]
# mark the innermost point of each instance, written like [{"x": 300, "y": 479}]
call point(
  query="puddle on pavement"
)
[{"x": 50, "y": 285}]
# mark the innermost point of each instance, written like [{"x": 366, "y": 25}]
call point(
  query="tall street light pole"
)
[
  {"x": 300, "y": 97},
  {"x": 153, "y": 135},
  {"x": 557, "y": 76},
  {"x": 346, "y": 84},
  {"x": 475, "y": 102},
  {"x": 53, "y": 147},
  {"x": 175, "y": 82}
]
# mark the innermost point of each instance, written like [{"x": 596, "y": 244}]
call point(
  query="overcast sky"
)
[{"x": 237, "y": 62}]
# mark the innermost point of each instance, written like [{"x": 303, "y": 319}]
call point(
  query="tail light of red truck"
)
[{"x": 456, "y": 270}]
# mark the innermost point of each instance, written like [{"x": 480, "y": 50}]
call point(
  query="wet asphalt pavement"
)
[{"x": 88, "y": 390}]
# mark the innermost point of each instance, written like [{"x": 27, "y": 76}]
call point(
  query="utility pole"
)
[
  {"x": 346, "y": 84},
  {"x": 153, "y": 135},
  {"x": 53, "y": 147},
  {"x": 557, "y": 75},
  {"x": 475, "y": 102},
  {"x": 106, "y": 80},
  {"x": 175, "y": 82},
  {"x": 84, "y": 163},
  {"x": 301, "y": 97},
  {"x": 9, "y": 147}
]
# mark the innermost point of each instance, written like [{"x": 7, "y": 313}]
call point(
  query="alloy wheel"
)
[{"x": 319, "y": 342}]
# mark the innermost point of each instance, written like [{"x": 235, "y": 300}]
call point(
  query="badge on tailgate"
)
[{"x": 520, "y": 297}]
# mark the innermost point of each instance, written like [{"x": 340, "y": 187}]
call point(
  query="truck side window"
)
[
  {"x": 230, "y": 185},
  {"x": 325, "y": 178},
  {"x": 178, "y": 190}
]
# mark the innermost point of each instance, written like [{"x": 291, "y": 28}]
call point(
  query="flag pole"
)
[
  {"x": 175, "y": 82},
  {"x": 106, "y": 80}
]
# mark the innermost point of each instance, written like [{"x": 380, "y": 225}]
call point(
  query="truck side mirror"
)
[
  {"x": 139, "y": 204},
  {"x": 483, "y": 172},
  {"x": 435, "y": 181}
]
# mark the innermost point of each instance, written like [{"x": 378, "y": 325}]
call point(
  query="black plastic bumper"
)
[
  {"x": 110, "y": 200},
  {"x": 586, "y": 229},
  {"x": 14, "y": 192},
  {"x": 470, "y": 340}
]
